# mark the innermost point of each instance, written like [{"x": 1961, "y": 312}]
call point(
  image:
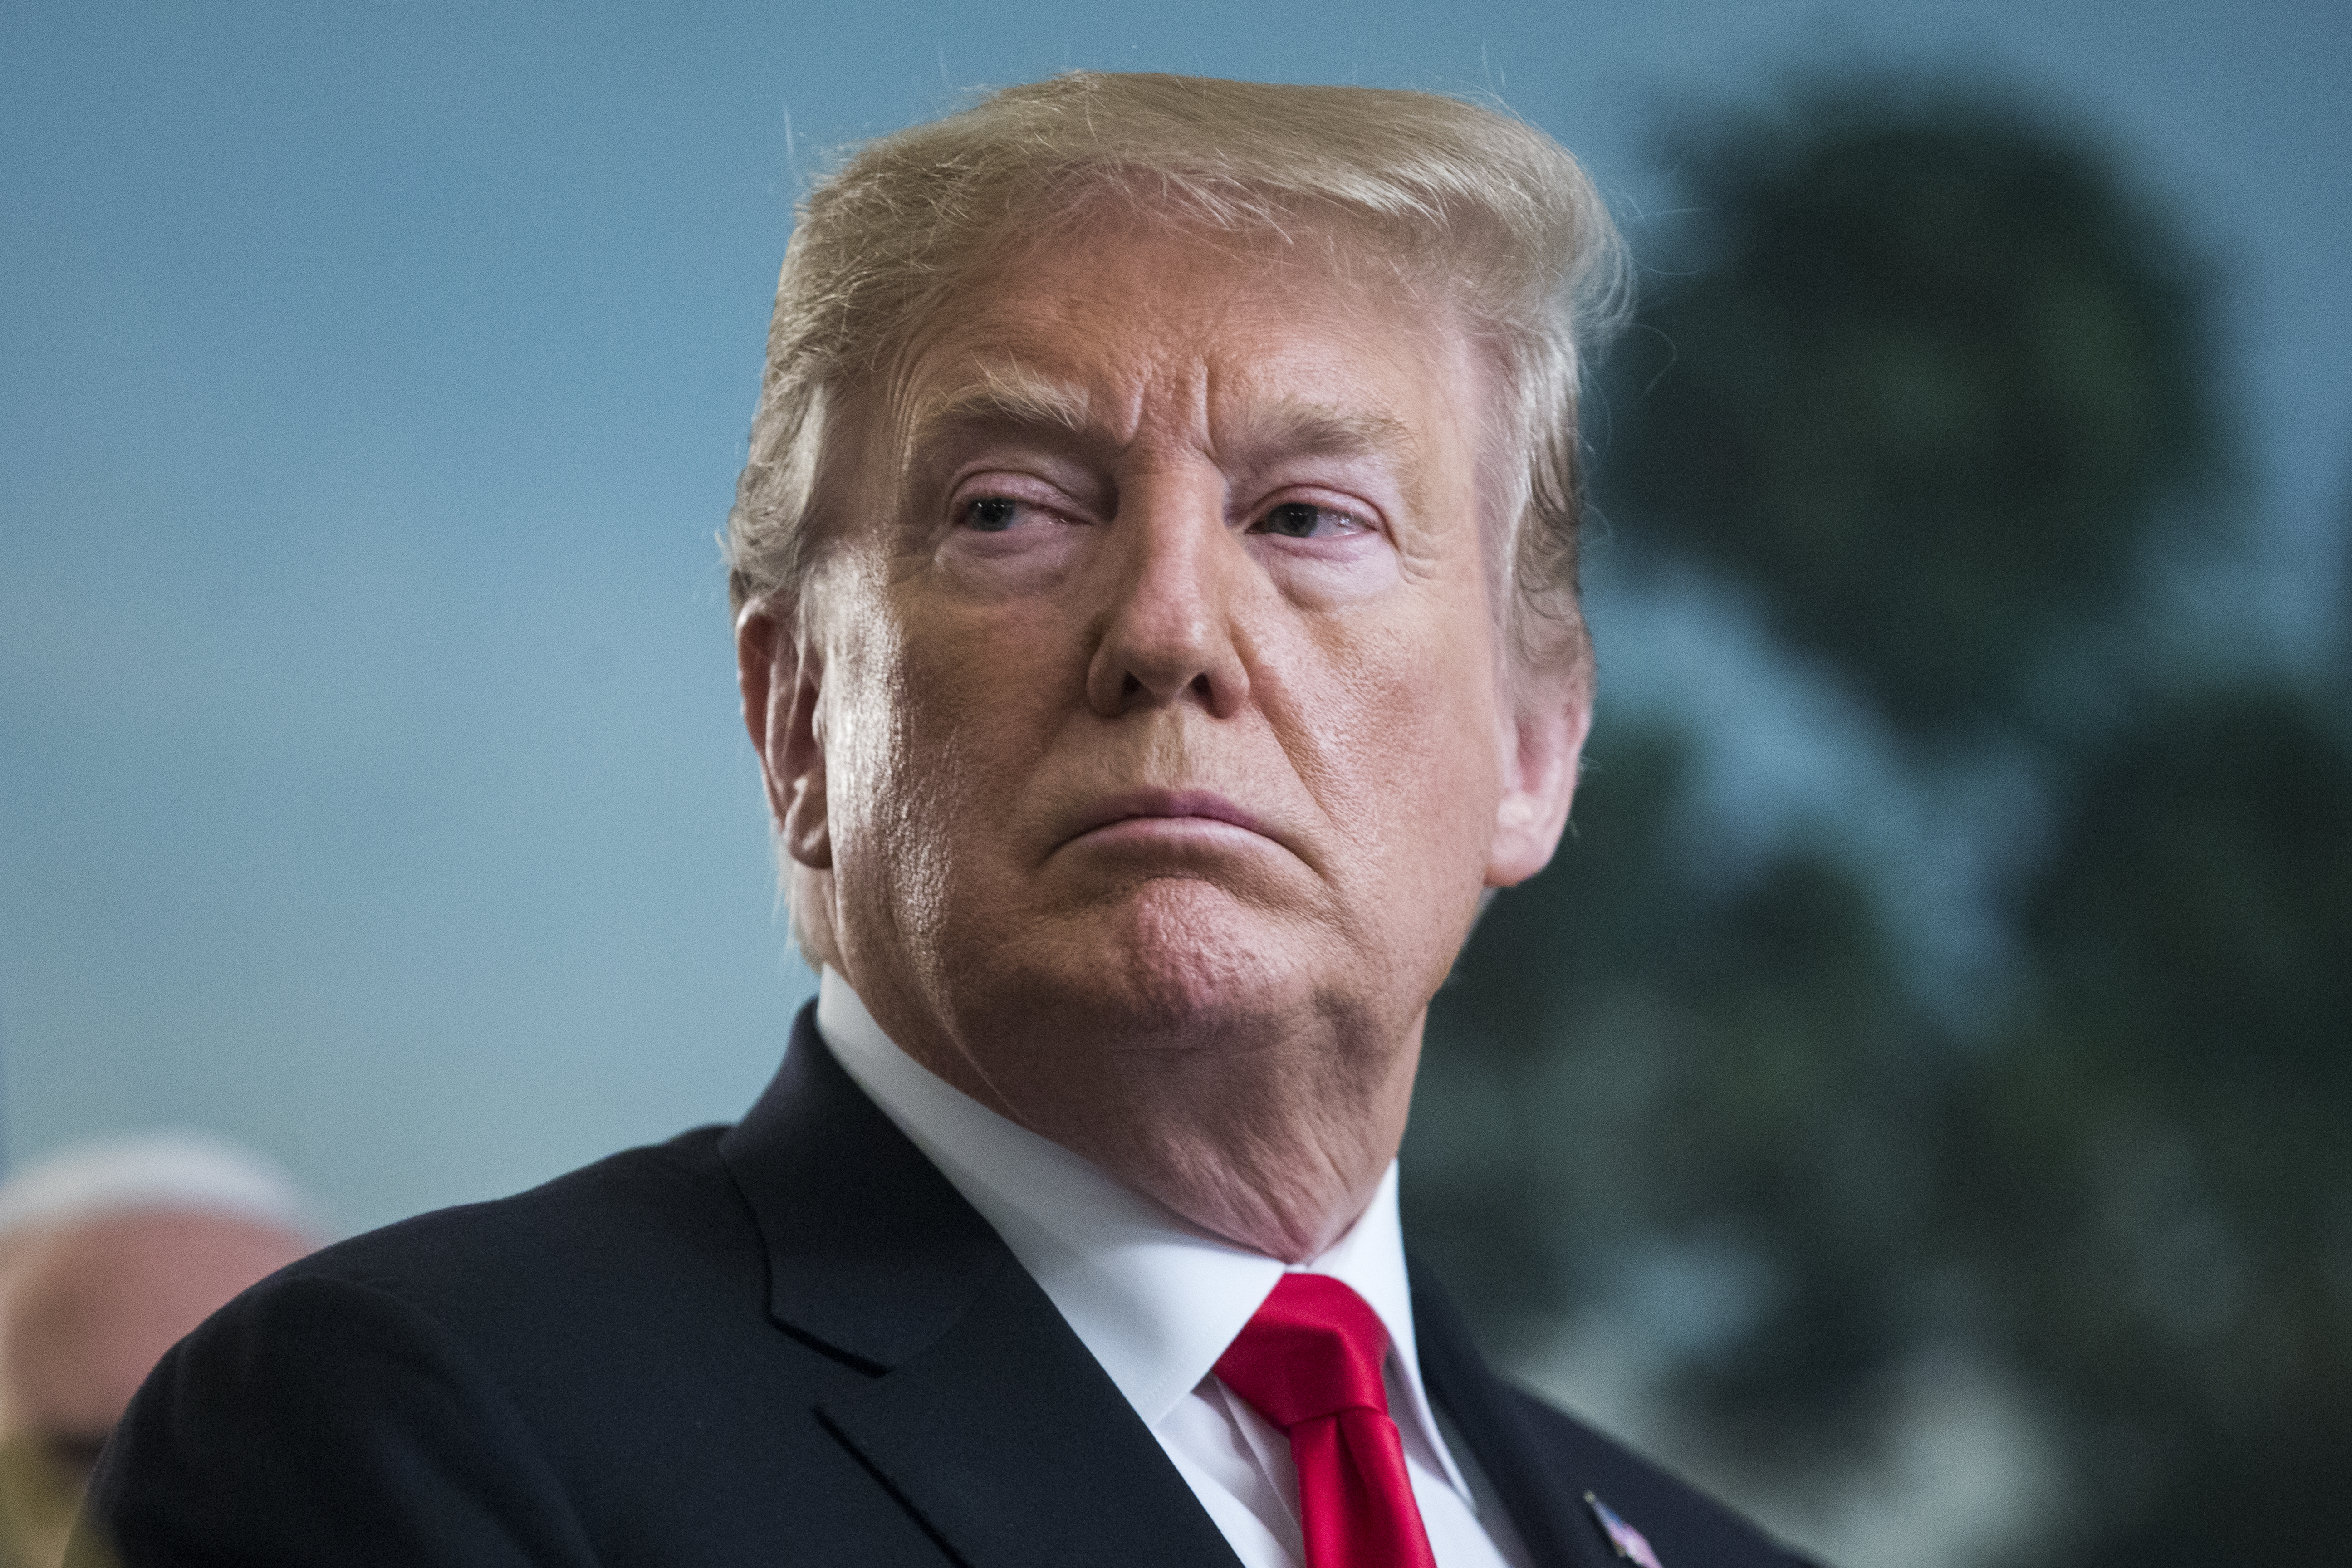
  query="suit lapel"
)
[
  {"x": 1016, "y": 1448},
  {"x": 985, "y": 1415},
  {"x": 1545, "y": 1507},
  {"x": 872, "y": 1255}
]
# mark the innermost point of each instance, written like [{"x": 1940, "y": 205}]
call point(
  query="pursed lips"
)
[{"x": 1150, "y": 811}]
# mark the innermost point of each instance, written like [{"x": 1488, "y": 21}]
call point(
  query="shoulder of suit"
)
[{"x": 621, "y": 1235}]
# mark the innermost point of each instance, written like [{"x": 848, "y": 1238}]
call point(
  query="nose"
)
[{"x": 1169, "y": 633}]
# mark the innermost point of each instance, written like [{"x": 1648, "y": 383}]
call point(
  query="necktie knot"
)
[{"x": 1314, "y": 1349}]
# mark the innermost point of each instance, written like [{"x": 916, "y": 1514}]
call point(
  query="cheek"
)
[
  {"x": 884, "y": 773},
  {"x": 1415, "y": 767},
  {"x": 938, "y": 730}
]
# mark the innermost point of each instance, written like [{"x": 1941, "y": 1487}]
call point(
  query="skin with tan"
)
[
  {"x": 87, "y": 1309},
  {"x": 1147, "y": 742}
]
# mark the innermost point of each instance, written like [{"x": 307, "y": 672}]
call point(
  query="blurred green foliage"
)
[
  {"x": 1936, "y": 393},
  {"x": 1925, "y": 378},
  {"x": 2171, "y": 1230}
]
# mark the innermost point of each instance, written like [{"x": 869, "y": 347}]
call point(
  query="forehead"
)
[{"x": 1244, "y": 339}]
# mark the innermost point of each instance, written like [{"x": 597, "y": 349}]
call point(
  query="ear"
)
[
  {"x": 1541, "y": 744},
  {"x": 781, "y": 678}
]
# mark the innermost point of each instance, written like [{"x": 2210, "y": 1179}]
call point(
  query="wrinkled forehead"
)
[{"x": 1312, "y": 341}]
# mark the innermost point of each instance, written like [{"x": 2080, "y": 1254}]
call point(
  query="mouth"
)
[{"x": 1164, "y": 814}]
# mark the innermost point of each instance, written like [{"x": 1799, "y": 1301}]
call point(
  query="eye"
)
[
  {"x": 991, "y": 514},
  {"x": 1304, "y": 520}
]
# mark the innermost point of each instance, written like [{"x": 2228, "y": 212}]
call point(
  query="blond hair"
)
[{"x": 1488, "y": 209}]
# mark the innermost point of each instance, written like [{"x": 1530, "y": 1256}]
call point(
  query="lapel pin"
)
[{"x": 1627, "y": 1540}]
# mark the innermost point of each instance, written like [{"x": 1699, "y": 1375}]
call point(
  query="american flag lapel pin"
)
[{"x": 1623, "y": 1536}]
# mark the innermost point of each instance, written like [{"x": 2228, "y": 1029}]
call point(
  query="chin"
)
[{"x": 1183, "y": 959}]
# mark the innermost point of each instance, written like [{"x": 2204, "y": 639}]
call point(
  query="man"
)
[
  {"x": 109, "y": 1253},
  {"x": 1155, "y": 573}
]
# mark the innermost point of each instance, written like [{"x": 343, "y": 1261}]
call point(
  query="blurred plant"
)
[
  {"x": 1929, "y": 389},
  {"x": 1722, "y": 1072},
  {"x": 1924, "y": 384},
  {"x": 2160, "y": 1180}
]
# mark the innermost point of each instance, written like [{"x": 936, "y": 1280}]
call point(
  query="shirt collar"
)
[{"x": 1154, "y": 1298}]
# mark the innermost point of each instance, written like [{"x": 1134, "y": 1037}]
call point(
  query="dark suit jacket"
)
[{"x": 787, "y": 1342}]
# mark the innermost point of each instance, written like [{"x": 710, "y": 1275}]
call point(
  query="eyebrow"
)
[
  {"x": 1010, "y": 395},
  {"x": 1007, "y": 395},
  {"x": 1319, "y": 430}
]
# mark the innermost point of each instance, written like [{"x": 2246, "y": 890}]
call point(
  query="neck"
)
[{"x": 1273, "y": 1138}]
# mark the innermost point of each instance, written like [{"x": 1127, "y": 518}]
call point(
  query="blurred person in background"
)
[{"x": 109, "y": 1253}]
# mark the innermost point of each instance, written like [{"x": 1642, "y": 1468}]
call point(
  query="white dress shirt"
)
[{"x": 1156, "y": 1301}]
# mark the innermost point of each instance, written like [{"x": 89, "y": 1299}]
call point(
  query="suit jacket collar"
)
[
  {"x": 984, "y": 1413},
  {"x": 1545, "y": 1507},
  {"x": 871, "y": 1254}
]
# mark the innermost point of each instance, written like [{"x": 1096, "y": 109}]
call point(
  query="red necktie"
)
[{"x": 1310, "y": 1362}]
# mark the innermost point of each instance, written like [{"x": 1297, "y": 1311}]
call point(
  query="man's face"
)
[{"x": 1156, "y": 703}]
